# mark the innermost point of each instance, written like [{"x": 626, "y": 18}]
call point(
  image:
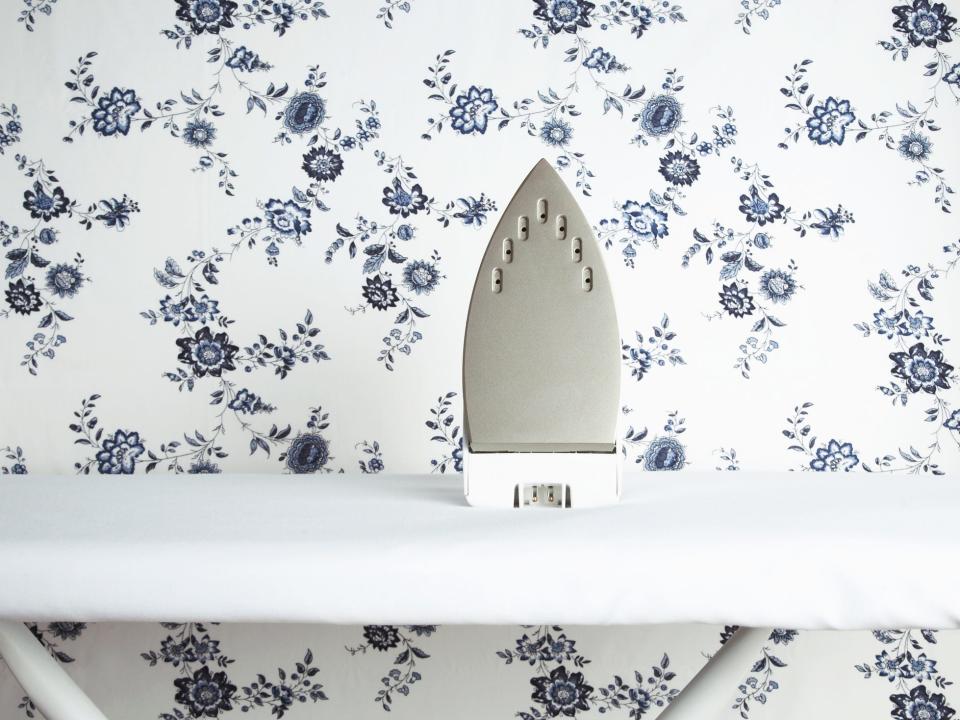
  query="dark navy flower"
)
[
  {"x": 403, "y": 202},
  {"x": 923, "y": 370},
  {"x": 564, "y": 15},
  {"x": 640, "y": 361},
  {"x": 308, "y": 453},
  {"x": 919, "y": 705},
  {"x": 23, "y": 298},
  {"x": 835, "y": 456},
  {"x": 530, "y": 650},
  {"x": 831, "y": 222},
  {"x": 891, "y": 667},
  {"x": 64, "y": 280},
  {"x": 204, "y": 467},
  {"x": 246, "y": 60},
  {"x": 924, "y": 23},
  {"x": 203, "y": 309},
  {"x": 375, "y": 465},
  {"x": 323, "y": 164},
  {"x": 114, "y": 110},
  {"x": 405, "y": 232},
  {"x": 778, "y": 285},
  {"x": 556, "y": 132},
  {"x": 18, "y": 469},
  {"x": 600, "y": 59},
  {"x": 665, "y": 453},
  {"x": 347, "y": 142},
  {"x": 380, "y": 293},
  {"x": 473, "y": 211},
  {"x": 304, "y": 113},
  {"x": 562, "y": 693},
  {"x": 661, "y": 115},
  {"x": 921, "y": 667},
  {"x": 736, "y": 300},
  {"x": 828, "y": 123},
  {"x": 288, "y": 219},
  {"x": 457, "y": 456},
  {"x": 44, "y": 205},
  {"x": 246, "y": 402},
  {"x": 644, "y": 221},
  {"x": 887, "y": 324},
  {"x": 915, "y": 146},
  {"x": 381, "y": 637},
  {"x": 206, "y": 353},
  {"x": 66, "y": 630},
  {"x": 642, "y": 19},
  {"x": 782, "y": 636},
  {"x": 372, "y": 123},
  {"x": 759, "y": 209},
  {"x": 953, "y": 422},
  {"x": 173, "y": 311},
  {"x": 206, "y": 15},
  {"x": 679, "y": 168},
  {"x": 116, "y": 213},
  {"x": 952, "y": 76},
  {"x": 421, "y": 277},
  {"x": 199, "y": 133},
  {"x": 421, "y": 630},
  {"x": 118, "y": 455},
  {"x": 471, "y": 109},
  {"x": 205, "y": 694},
  {"x": 918, "y": 324},
  {"x": 559, "y": 648}
]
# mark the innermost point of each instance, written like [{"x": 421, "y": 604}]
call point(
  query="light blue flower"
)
[
  {"x": 304, "y": 113},
  {"x": 556, "y": 132},
  {"x": 471, "y": 110},
  {"x": 288, "y": 219},
  {"x": 835, "y": 456},
  {"x": 664, "y": 453},
  {"x": 915, "y": 146},
  {"x": 644, "y": 221},
  {"x": 918, "y": 324},
  {"x": 421, "y": 277},
  {"x": 829, "y": 121},
  {"x": 661, "y": 115},
  {"x": 118, "y": 455},
  {"x": 199, "y": 133},
  {"x": 64, "y": 280},
  {"x": 778, "y": 285}
]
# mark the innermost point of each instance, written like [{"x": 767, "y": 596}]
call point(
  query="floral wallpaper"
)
[{"x": 240, "y": 236}]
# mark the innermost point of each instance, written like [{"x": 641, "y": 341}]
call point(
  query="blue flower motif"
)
[
  {"x": 829, "y": 121},
  {"x": 918, "y": 324},
  {"x": 679, "y": 168},
  {"x": 64, "y": 280},
  {"x": 206, "y": 353},
  {"x": 173, "y": 311},
  {"x": 471, "y": 110},
  {"x": 953, "y": 422},
  {"x": 736, "y": 300},
  {"x": 834, "y": 457},
  {"x": 421, "y": 277},
  {"x": 831, "y": 222},
  {"x": 921, "y": 667},
  {"x": 556, "y": 132},
  {"x": 403, "y": 202},
  {"x": 600, "y": 59},
  {"x": 246, "y": 60},
  {"x": 48, "y": 236},
  {"x": 562, "y": 693},
  {"x": 405, "y": 232},
  {"x": 23, "y": 298},
  {"x": 761, "y": 241},
  {"x": 661, "y": 115},
  {"x": 205, "y": 694},
  {"x": 783, "y": 636},
  {"x": 664, "y": 453},
  {"x": 199, "y": 133},
  {"x": 248, "y": 403},
  {"x": 206, "y": 15},
  {"x": 45, "y": 205},
  {"x": 891, "y": 667},
  {"x": 288, "y": 219},
  {"x": 304, "y": 113},
  {"x": 644, "y": 222},
  {"x": 323, "y": 164},
  {"x": 473, "y": 211},
  {"x": 924, "y": 23},
  {"x": 308, "y": 453},
  {"x": 952, "y": 76},
  {"x": 118, "y": 455},
  {"x": 922, "y": 370},
  {"x": 778, "y": 285},
  {"x": 114, "y": 111},
  {"x": 919, "y": 705},
  {"x": 759, "y": 209},
  {"x": 203, "y": 309},
  {"x": 204, "y": 467},
  {"x": 564, "y": 15},
  {"x": 887, "y": 324},
  {"x": 116, "y": 213},
  {"x": 915, "y": 146}
]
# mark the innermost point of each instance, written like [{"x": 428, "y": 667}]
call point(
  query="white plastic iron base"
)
[{"x": 508, "y": 479}]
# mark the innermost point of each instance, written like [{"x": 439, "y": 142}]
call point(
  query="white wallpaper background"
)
[{"x": 256, "y": 248}]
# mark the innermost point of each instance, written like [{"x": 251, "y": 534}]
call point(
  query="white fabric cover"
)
[{"x": 796, "y": 550}]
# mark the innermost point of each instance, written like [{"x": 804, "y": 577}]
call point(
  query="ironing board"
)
[{"x": 408, "y": 550}]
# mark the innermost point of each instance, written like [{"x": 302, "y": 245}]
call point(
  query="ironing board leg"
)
[
  {"x": 48, "y": 685},
  {"x": 711, "y": 692}
]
